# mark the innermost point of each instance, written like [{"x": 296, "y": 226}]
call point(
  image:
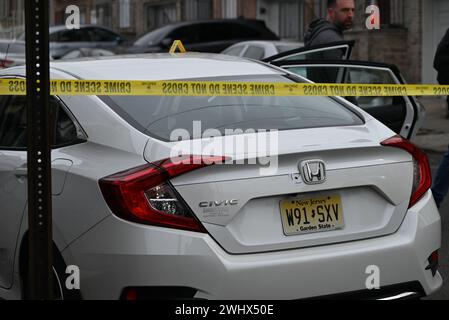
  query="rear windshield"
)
[{"x": 159, "y": 116}]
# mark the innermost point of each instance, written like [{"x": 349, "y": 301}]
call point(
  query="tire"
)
[{"x": 60, "y": 291}]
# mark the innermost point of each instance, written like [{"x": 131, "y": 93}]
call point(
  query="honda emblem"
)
[{"x": 313, "y": 171}]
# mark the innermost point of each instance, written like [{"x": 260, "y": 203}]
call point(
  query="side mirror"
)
[{"x": 120, "y": 40}]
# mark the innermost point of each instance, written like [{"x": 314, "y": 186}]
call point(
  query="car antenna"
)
[{"x": 3, "y": 63}]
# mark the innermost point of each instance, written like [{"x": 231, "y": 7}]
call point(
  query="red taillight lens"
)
[
  {"x": 422, "y": 177},
  {"x": 130, "y": 294},
  {"x": 5, "y": 63},
  {"x": 145, "y": 195}
]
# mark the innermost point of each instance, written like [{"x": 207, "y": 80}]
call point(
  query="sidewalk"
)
[{"x": 434, "y": 134}]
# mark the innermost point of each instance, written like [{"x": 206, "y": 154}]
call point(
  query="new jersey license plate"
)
[{"x": 301, "y": 216}]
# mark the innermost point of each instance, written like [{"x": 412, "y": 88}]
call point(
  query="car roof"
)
[
  {"x": 163, "y": 67},
  {"x": 64, "y": 27},
  {"x": 251, "y": 22},
  {"x": 269, "y": 42}
]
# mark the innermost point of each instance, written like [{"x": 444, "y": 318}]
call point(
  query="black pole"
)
[{"x": 39, "y": 156}]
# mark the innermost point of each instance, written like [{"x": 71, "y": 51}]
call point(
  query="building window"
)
[
  {"x": 197, "y": 9},
  {"x": 290, "y": 26},
  {"x": 160, "y": 15},
  {"x": 229, "y": 8},
  {"x": 4, "y": 10},
  {"x": 103, "y": 13},
  {"x": 124, "y": 11},
  {"x": 391, "y": 13}
]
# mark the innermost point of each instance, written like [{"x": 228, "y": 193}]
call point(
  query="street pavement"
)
[
  {"x": 433, "y": 138},
  {"x": 434, "y": 134}
]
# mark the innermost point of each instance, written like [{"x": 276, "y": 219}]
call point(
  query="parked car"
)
[
  {"x": 12, "y": 53},
  {"x": 203, "y": 36},
  {"x": 63, "y": 40},
  {"x": 260, "y": 50},
  {"x": 86, "y": 52},
  {"x": 348, "y": 193}
]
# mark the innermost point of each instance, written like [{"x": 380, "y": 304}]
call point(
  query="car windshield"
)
[
  {"x": 152, "y": 37},
  {"x": 160, "y": 116}
]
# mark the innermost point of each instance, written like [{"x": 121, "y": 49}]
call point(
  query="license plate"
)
[{"x": 301, "y": 216}]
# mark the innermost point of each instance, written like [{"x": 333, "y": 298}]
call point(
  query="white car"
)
[
  {"x": 341, "y": 196},
  {"x": 63, "y": 40},
  {"x": 260, "y": 50},
  {"x": 80, "y": 53}
]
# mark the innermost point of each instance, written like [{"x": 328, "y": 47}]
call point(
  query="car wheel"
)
[{"x": 60, "y": 291}]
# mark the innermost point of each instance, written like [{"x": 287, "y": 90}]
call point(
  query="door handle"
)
[{"x": 21, "y": 172}]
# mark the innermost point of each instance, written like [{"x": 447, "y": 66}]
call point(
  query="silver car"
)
[
  {"x": 260, "y": 50},
  {"x": 212, "y": 197},
  {"x": 63, "y": 40}
]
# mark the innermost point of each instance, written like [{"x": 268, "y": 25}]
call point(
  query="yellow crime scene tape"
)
[{"x": 16, "y": 86}]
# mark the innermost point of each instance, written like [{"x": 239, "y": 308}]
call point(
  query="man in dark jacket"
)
[
  {"x": 340, "y": 17},
  {"x": 441, "y": 64}
]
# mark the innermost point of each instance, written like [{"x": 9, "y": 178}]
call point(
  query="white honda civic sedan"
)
[{"x": 270, "y": 198}]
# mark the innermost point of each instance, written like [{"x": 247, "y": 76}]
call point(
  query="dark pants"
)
[{"x": 441, "y": 183}]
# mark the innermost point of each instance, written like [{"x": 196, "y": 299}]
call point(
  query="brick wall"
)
[
  {"x": 59, "y": 7},
  {"x": 414, "y": 24},
  {"x": 387, "y": 46},
  {"x": 399, "y": 46},
  {"x": 247, "y": 9},
  {"x": 216, "y": 9}
]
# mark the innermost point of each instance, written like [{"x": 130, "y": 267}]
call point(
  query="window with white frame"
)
[
  {"x": 124, "y": 11},
  {"x": 290, "y": 26},
  {"x": 229, "y": 8}
]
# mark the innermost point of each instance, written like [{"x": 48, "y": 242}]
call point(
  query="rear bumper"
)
[
  {"x": 117, "y": 254},
  {"x": 403, "y": 291}
]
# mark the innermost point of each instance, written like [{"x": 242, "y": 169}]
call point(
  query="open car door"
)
[
  {"x": 403, "y": 114},
  {"x": 336, "y": 50}
]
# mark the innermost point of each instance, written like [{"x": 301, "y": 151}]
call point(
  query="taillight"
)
[
  {"x": 5, "y": 63},
  {"x": 129, "y": 294},
  {"x": 145, "y": 194},
  {"x": 422, "y": 177}
]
